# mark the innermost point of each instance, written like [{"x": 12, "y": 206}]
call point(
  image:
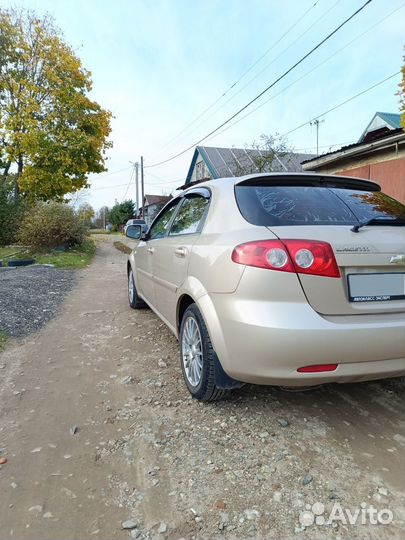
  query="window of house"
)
[{"x": 200, "y": 170}]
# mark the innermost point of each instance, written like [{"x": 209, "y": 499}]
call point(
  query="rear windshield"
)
[{"x": 309, "y": 205}]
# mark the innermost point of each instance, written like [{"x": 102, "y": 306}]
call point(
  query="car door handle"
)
[
  {"x": 180, "y": 252},
  {"x": 151, "y": 250}
]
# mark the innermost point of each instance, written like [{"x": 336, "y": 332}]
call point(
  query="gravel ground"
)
[
  {"x": 102, "y": 439},
  {"x": 30, "y": 296}
]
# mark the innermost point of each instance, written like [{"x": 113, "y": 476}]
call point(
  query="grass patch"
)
[
  {"x": 9, "y": 250},
  {"x": 99, "y": 231},
  {"x": 122, "y": 247},
  {"x": 3, "y": 339},
  {"x": 76, "y": 257}
]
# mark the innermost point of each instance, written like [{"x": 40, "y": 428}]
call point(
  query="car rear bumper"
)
[{"x": 266, "y": 342}]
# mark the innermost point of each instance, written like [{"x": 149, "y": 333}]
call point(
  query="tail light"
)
[
  {"x": 317, "y": 368},
  {"x": 312, "y": 257}
]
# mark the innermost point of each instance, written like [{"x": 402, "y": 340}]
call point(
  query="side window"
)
[
  {"x": 159, "y": 227},
  {"x": 190, "y": 216}
]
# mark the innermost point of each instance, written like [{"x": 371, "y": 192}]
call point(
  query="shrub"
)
[
  {"x": 50, "y": 225},
  {"x": 11, "y": 210}
]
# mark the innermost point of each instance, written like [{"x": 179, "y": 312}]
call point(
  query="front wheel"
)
[
  {"x": 134, "y": 300},
  {"x": 197, "y": 357}
]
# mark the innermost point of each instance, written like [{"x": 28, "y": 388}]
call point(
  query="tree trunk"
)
[
  {"x": 7, "y": 168},
  {"x": 20, "y": 164}
]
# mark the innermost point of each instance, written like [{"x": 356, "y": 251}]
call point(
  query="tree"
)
[
  {"x": 120, "y": 213},
  {"x": 85, "y": 213},
  {"x": 11, "y": 210},
  {"x": 262, "y": 155},
  {"x": 101, "y": 220},
  {"x": 51, "y": 133}
]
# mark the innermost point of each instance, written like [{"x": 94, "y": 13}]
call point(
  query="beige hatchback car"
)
[{"x": 282, "y": 279}]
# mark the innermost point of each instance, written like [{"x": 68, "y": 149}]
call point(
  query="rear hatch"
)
[{"x": 371, "y": 260}]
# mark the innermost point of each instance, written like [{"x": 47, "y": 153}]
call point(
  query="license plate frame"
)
[{"x": 358, "y": 285}]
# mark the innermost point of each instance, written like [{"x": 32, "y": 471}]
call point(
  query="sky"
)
[{"x": 157, "y": 65}]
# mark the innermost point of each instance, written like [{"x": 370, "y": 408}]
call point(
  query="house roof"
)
[
  {"x": 386, "y": 137},
  {"x": 156, "y": 199},
  {"x": 228, "y": 162},
  {"x": 380, "y": 120},
  {"x": 393, "y": 119}
]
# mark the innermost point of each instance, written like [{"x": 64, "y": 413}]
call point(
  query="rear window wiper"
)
[{"x": 380, "y": 220}]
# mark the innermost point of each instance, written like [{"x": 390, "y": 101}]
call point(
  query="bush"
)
[
  {"x": 11, "y": 210},
  {"x": 50, "y": 225}
]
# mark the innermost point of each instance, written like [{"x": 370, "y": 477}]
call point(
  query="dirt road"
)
[{"x": 98, "y": 429}]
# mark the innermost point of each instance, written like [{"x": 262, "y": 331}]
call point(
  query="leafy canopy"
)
[
  {"x": 120, "y": 213},
  {"x": 51, "y": 133}
]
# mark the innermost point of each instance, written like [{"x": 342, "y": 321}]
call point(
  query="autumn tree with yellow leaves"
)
[{"x": 52, "y": 135}]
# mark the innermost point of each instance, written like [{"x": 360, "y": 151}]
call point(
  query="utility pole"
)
[
  {"x": 316, "y": 124},
  {"x": 137, "y": 187},
  {"x": 142, "y": 188}
]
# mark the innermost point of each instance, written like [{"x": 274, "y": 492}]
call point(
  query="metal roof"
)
[
  {"x": 229, "y": 162},
  {"x": 359, "y": 146},
  {"x": 391, "y": 118},
  {"x": 380, "y": 119}
]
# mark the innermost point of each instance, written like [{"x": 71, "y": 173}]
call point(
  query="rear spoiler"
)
[{"x": 343, "y": 182}]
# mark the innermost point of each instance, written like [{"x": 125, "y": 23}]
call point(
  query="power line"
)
[
  {"x": 129, "y": 183},
  {"x": 110, "y": 173},
  {"x": 341, "y": 104},
  {"x": 108, "y": 187},
  {"x": 323, "y": 146},
  {"x": 267, "y": 88},
  {"x": 337, "y": 107},
  {"x": 267, "y": 65},
  {"x": 310, "y": 71},
  {"x": 300, "y": 18}
]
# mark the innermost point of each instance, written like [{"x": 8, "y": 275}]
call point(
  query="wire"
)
[
  {"x": 110, "y": 173},
  {"x": 300, "y": 18},
  {"x": 267, "y": 65},
  {"x": 340, "y": 104},
  {"x": 309, "y": 72},
  {"x": 303, "y": 150},
  {"x": 129, "y": 183},
  {"x": 108, "y": 187},
  {"x": 267, "y": 88}
]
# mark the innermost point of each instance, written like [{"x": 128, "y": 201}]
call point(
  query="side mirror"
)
[{"x": 134, "y": 232}]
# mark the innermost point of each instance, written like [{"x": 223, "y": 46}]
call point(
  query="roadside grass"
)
[
  {"x": 99, "y": 231},
  {"x": 9, "y": 250},
  {"x": 122, "y": 247},
  {"x": 75, "y": 257},
  {"x": 3, "y": 339}
]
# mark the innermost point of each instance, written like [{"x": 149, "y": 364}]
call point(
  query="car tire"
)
[
  {"x": 135, "y": 301},
  {"x": 198, "y": 364}
]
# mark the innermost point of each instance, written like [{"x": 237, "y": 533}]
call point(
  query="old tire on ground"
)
[
  {"x": 21, "y": 262},
  {"x": 134, "y": 300},
  {"x": 198, "y": 358}
]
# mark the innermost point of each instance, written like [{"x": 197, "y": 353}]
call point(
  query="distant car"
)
[
  {"x": 140, "y": 222},
  {"x": 282, "y": 279}
]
